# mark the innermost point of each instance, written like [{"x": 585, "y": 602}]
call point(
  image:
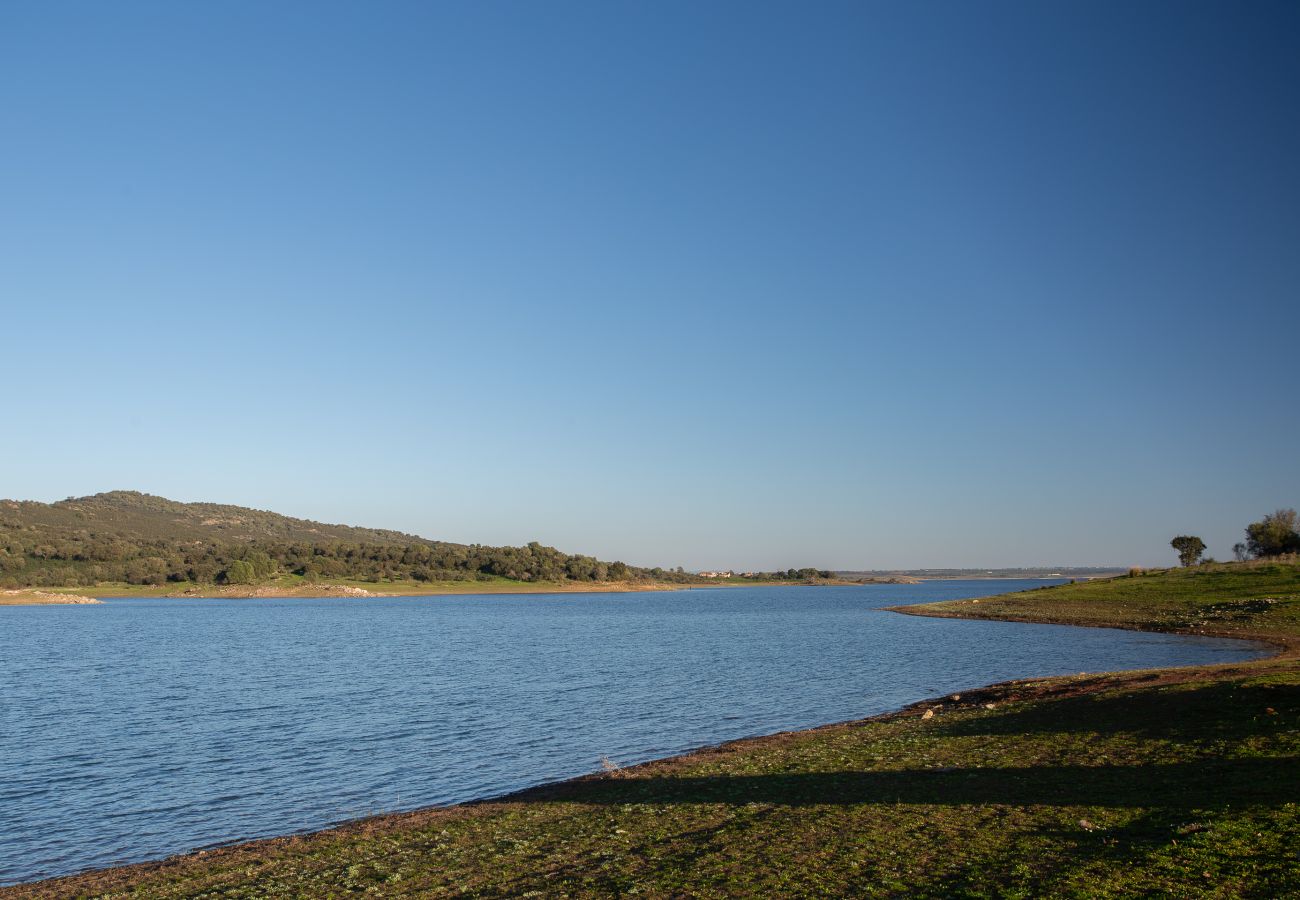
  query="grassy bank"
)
[
  {"x": 1254, "y": 599},
  {"x": 1180, "y": 783}
]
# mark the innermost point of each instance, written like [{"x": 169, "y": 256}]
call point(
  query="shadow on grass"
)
[
  {"x": 1212, "y": 711},
  {"x": 1190, "y": 785}
]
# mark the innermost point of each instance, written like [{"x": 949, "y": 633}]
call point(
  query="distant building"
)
[{"x": 716, "y": 574}]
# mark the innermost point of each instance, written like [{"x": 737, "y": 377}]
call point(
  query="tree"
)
[
  {"x": 240, "y": 572},
  {"x": 1189, "y": 548},
  {"x": 1274, "y": 534},
  {"x": 1240, "y": 552},
  {"x": 261, "y": 563}
]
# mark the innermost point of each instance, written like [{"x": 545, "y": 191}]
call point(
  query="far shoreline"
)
[
  {"x": 359, "y": 590},
  {"x": 31, "y": 597},
  {"x": 365, "y": 590}
]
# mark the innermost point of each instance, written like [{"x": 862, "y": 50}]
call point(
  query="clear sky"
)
[{"x": 711, "y": 284}]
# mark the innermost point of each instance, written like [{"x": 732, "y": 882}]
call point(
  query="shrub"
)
[{"x": 1276, "y": 534}]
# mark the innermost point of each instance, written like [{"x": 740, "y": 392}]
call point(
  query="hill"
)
[
  {"x": 143, "y": 517},
  {"x": 130, "y": 538}
]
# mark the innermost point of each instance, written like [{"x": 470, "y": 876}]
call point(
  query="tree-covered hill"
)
[
  {"x": 133, "y": 538},
  {"x": 138, "y": 516}
]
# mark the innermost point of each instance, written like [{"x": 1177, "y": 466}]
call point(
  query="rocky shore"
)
[{"x": 42, "y": 598}]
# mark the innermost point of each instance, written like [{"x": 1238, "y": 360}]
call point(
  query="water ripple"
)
[{"x": 157, "y": 726}]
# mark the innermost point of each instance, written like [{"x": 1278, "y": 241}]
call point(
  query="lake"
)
[{"x": 146, "y": 727}]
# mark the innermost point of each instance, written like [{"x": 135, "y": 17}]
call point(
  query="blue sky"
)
[{"x": 753, "y": 285}]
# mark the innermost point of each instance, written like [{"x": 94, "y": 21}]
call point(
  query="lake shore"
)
[
  {"x": 322, "y": 589},
  {"x": 1179, "y": 781},
  {"x": 426, "y": 589},
  {"x": 43, "y": 598},
  {"x": 306, "y": 589}
]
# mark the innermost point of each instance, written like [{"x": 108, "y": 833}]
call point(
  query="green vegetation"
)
[
  {"x": 1189, "y": 548},
  {"x": 1258, "y": 599},
  {"x": 1274, "y": 535},
  {"x": 126, "y": 542},
  {"x": 1175, "y": 783},
  {"x": 128, "y": 538}
]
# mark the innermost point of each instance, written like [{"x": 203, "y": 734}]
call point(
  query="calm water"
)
[{"x": 141, "y": 728}]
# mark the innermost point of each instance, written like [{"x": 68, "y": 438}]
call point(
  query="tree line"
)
[
  {"x": 31, "y": 559},
  {"x": 1277, "y": 534}
]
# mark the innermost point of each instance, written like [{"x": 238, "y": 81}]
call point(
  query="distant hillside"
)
[
  {"x": 146, "y": 517},
  {"x": 125, "y": 537}
]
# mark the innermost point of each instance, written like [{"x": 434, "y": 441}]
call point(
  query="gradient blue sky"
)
[{"x": 711, "y": 284}]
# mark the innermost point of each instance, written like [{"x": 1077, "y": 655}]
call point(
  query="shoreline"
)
[
  {"x": 988, "y": 696},
  {"x": 1285, "y": 647},
  {"x": 27, "y": 597},
  {"x": 324, "y": 590},
  {"x": 439, "y": 589},
  {"x": 1016, "y": 697}
]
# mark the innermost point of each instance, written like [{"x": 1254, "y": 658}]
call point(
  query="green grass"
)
[
  {"x": 1259, "y": 599},
  {"x": 1175, "y": 783}
]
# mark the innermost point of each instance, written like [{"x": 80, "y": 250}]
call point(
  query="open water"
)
[{"x": 141, "y": 728}]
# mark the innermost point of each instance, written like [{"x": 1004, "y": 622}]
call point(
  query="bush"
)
[
  {"x": 1274, "y": 535},
  {"x": 240, "y": 572}
]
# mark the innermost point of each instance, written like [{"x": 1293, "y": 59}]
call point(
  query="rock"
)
[{"x": 928, "y": 714}]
